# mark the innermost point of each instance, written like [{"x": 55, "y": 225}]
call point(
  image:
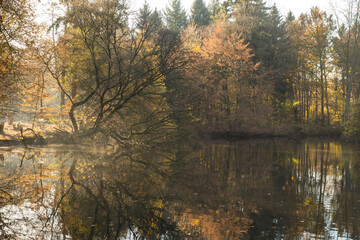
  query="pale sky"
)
[{"x": 296, "y": 6}]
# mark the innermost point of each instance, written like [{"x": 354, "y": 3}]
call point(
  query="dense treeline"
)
[{"x": 236, "y": 67}]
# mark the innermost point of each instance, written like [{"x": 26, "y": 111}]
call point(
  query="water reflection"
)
[{"x": 222, "y": 190}]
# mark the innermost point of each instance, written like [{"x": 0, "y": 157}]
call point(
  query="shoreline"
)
[{"x": 228, "y": 136}]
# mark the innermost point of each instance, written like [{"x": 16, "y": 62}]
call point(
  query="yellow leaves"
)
[
  {"x": 195, "y": 222},
  {"x": 316, "y": 31},
  {"x": 308, "y": 201},
  {"x": 295, "y": 160},
  {"x": 196, "y": 49},
  {"x": 158, "y": 204}
]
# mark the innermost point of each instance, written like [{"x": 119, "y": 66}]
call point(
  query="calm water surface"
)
[{"x": 213, "y": 190}]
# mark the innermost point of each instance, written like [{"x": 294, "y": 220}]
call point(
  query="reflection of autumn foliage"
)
[
  {"x": 222, "y": 190},
  {"x": 223, "y": 223},
  {"x": 28, "y": 185},
  {"x": 223, "y": 78},
  {"x": 134, "y": 191},
  {"x": 122, "y": 193}
]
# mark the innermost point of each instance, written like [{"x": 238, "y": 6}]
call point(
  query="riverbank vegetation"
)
[{"x": 235, "y": 68}]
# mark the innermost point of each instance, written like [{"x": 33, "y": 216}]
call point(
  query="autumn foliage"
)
[
  {"x": 237, "y": 67},
  {"x": 226, "y": 81}
]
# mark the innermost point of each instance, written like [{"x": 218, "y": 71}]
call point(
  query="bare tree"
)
[{"x": 346, "y": 45}]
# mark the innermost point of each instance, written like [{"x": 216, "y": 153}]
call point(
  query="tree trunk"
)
[
  {"x": 348, "y": 96},
  {"x": 322, "y": 120},
  {"x": 73, "y": 120},
  {"x": 327, "y": 100},
  {"x": 2, "y": 128}
]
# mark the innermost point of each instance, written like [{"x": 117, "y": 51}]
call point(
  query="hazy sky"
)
[{"x": 296, "y": 6}]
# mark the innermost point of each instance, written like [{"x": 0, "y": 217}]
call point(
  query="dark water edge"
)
[
  {"x": 248, "y": 189},
  {"x": 297, "y": 133},
  {"x": 33, "y": 141},
  {"x": 290, "y": 133}
]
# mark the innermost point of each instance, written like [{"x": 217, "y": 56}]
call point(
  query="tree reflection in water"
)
[{"x": 226, "y": 190}]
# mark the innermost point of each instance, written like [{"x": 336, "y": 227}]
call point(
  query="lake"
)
[{"x": 256, "y": 189}]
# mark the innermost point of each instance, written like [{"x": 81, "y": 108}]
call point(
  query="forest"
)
[
  {"x": 227, "y": 121},
  {"x": 228, "y": 68}
]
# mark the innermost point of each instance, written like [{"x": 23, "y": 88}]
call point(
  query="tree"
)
[
  {"x": 17, "y": 30},
  {"x": 121, "y": 72},
  {"x": 346, "y": 46},
  {"x": 299, "y": 71},
  {"x": 318, "y": 29},
  {"x": 263, "y": 29},
  {"x": 175, "y": 16},
  {"x": 223, "y": 77},
  {"x": 250, "y": 19},
  {"x": 156, "y": 19},
  {"x": 143, "y": 17},
  {"x": 200, "y": 14},
  {"x": 278, "y": 57},
  {"x": 290, "y": 17},
  {"x": 148, "y": 20}
]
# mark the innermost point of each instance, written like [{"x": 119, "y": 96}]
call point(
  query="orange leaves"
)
[
  {"x": 226, "y": 54},
  {"x": 223, "y": 71},
  {"x": 225, "y": 45},
  {"x": 17, "y": 33}
]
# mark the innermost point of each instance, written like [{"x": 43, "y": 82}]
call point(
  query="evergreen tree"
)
[
  {"x": 200, "y": 14},
  {"x": 290, "y": 17},
  {"x": 156, "y": 19},
  {"x": 264, "y": 31},
  {"x": 143, "y": 17},
  {"x": 147, "y": 19},
  {"x": 278, "y": 57},
  {"x": 252, "y": 21},
  {"x": 175, "y": 16}
]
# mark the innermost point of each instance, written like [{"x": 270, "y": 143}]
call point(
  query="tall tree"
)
[
  {"x": 290, "y": 17},
  {"x": 318, "y": 29},
  {"x": 298, "y": 69},
  {"x": 17, "y": 34},
  {"x": 278, "y": 57},
  {"x": 263, "y": 29},
  {"x": 346, "y": 45},
  {"x": 156, "y": 19},
  {"x": 223, "y": 77},
  {"x": 175, "y": 16},
  {"x": 143, "y": 16},
  {"x": 250, "y": 19},
  {"x": 200, "y": 14},
  {"x": 121, "y": 71},
  {"x": 147, "y": 21}
]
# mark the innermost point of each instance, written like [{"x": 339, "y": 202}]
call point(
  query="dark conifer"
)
[{"x": 200, "y": 14}]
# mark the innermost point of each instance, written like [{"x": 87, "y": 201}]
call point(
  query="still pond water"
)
[{"x": 214, "y": 190}]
